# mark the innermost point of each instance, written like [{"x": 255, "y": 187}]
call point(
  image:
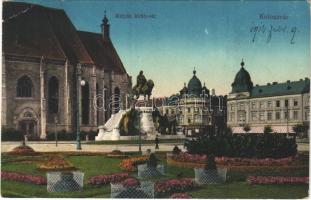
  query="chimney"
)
[{"x": 105, "y": 28}]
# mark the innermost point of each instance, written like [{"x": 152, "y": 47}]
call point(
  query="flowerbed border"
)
[
  {"x": 266, "y": 180},
  {"x": 24, "y": 178}
]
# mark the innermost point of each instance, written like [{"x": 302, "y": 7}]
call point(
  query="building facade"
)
[
  {"x": 196, "y": 110},
  {"x": 278, "y": 105},
  {"x": 42, "y": 52}
]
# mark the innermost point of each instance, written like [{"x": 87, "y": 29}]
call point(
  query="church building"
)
[{"x": 43, "y": 54}]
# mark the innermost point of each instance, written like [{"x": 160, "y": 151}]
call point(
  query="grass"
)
[{"x": 93, "y": 165}]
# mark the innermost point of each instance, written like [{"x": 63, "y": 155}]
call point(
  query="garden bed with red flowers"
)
[
  {"x": 108, "y": 178},
  {"x": 199, "y": 160},
  {"x": 56, "y": 163},
  {"x": 130, "y": 164},
  {"x": 23, "y": 150},
  {"x": 255, "y": 180},
  {"x": 174, "y": 185},
  {"x": 20, "y": 177},
  {"x": 180, "y": 195}
]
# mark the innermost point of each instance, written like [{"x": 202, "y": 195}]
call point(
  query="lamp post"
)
[
  {"x": 79, "y": 84},
  {"x": 55, "y": 131}
]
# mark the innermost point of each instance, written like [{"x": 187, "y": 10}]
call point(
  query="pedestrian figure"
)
[{"x": 157, "y": 142}]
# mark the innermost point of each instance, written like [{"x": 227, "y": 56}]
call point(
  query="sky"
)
[{"x": 212, "y": 36}]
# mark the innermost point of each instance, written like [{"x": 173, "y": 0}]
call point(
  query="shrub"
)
[
  {"x": 246, "y": 128},
  {"x": 268, "y": 145},
  {"x": 176, "y": 150},
  {"x": 10, "y": 134},
  {"x": 69, "y": 136},
  {"x": 267, "y": 129}
]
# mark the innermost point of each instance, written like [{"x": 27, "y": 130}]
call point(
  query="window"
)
[
  {"x": 286, "y": 102},
  {"x": 261, "y": 105},
  {"x": 24, "y": 87},
  {"x": 307, "y": 115},
  {"x": 232, "y": 107},
  {"x": 269, "y": 103},
  {"x": 253, "y": 105},
  {"x": 277, "y": 103},
  {"x": 277, "y": 115},
  {"x": 231, "y": 117},
  {"x": 254, "y": 116},
  {"x": 242, "y": 117},
  {"x": 295, "y": 115},
  {"x": 262, "y": 116},
  {"x": 269, "y": 115},
  {"x": 85, "y": 94},
  {"x": 53, "y": 95},
  {"x": 295, "y": 102},
  {"x": 166, "y": 111},
  {"x": 172, "y": 111},
  {"x": 242, "y": 106},
  {"x": 285, "y": 115},
  {"x": 189, "y": 120},
  {"x": 189, "y": 110}
]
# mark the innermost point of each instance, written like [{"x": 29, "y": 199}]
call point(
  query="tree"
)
[
  {"x": 301, "y": 129},
  {"x": 267, "y": 129},
  {"x": 246, "y": 128}
]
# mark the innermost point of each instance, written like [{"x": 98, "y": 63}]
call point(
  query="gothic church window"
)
[
  {"x": 24, "y": 87},
  {"x": 53, "y": 95}
]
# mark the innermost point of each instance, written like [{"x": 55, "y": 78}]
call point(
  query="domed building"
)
[
  {"x": 195, "y": 114},
  {"x": 278, "y": 105}
]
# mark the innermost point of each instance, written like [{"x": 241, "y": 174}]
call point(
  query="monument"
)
[{"x": 128, "y": 123}]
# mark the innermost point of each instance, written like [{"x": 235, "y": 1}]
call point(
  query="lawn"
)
[{"x": 93, "y": 165}]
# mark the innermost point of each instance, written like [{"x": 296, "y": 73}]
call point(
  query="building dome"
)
[
  {"x": 194, "y": 85},
  {"x": 242, "y": 81}
]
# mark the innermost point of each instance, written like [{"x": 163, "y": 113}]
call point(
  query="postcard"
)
[{"x": 155, "y": 99}]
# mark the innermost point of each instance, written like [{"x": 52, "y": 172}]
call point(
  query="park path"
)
[
  {"x": 65, "y": 146},
  {"x": 71, "y": 146}
]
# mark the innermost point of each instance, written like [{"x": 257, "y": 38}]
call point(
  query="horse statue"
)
[{"x": 143, "y": 87}]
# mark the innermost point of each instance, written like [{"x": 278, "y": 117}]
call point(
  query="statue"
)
[{"x": 143, "y": 87}]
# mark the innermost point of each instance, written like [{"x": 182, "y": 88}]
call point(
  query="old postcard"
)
[{"x": 155, "y": 99}]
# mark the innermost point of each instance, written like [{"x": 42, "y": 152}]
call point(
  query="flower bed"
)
[
  {"x": 108, "y": 178},
  {"x": 198, "y": 160},
  {"x": 174, "y": 185},
  {"x": 130, "y": 164},
  {"x": 56, "y": 163},
  {"x": 181, "y": 195},
  {"x": 26, "y": 178},
  {"x": 132, "y": 188},
  {"x": 278, "y": 180},
  {"x": 23, "y": 150}
]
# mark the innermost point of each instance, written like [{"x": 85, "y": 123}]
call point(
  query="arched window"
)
[
  {"x": 85, "y": 103},
  {"x": 24, "y": 87},
  {"x": 117, "y": 99},
  {"x": 99, "y": 103},
  {"x": 53, "y": 95}
]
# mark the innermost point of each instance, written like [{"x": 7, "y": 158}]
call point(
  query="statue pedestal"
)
[{"x": 146, "y": 123}]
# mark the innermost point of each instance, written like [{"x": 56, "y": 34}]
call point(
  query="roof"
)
[
  {"x": 242, "y": 81},
  {"x": 279, "y": 89},
  {"x": 194, "y": 85},
  {"x": 35, "y": 31},
  {"x": 102, "y": 51}
]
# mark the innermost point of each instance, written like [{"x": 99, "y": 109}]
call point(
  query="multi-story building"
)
[
  {"x": 42, "y": 52},
  {"x": 278, "y": 105},
  {"x": 196, "y": 110}
]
